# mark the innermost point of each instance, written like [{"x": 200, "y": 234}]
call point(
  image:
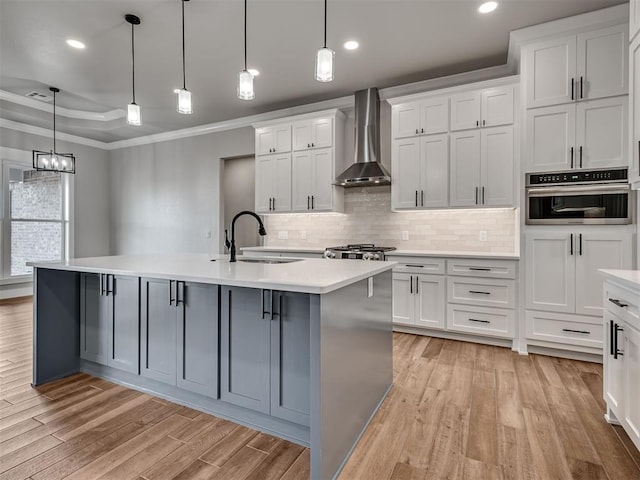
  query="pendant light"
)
[
  {"x": 184, "y": 95},
  {"x": 245, "y": 79},
  {"x": 133, "y": 109},
  {"x": 324, "y": 57},
  {"x": 52, "y": 161}
]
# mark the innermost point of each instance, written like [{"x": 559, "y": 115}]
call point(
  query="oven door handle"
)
[{"x": 600, "y": 189}]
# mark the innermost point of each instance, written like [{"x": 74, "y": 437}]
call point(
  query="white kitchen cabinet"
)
[
  {"x": 424, "y": 117},
  {"x": 613, "y": 388},
  {"x": 313, "y": 133},
  {"x": 273, "y": 139},
  {"x": 420, "y": 172},
  {"x": 482, "y": 165},
  {"x": 273, "y": 183},
  {"x": 634, "y": 18},
  {"x": 590, "y": 134},
  {"x": 634, "y": 113},
  {"x": 419, "y": 300},
  {"x": 482, "y": 108},
  {"x": 566, "y": 69},
  {"x": 631, "y": 351},
  {"x": 313, "y": 180}
]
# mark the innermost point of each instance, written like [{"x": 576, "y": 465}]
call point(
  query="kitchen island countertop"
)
[{"x": 628, "y": 278}]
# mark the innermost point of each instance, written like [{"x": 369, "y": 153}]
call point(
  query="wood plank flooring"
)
[{"x": 457, "y": 411}]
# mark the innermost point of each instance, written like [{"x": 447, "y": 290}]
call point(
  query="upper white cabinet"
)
[
  {"x": 591, "y": 134},
  {"x": 634, "y": 18},
  {"x": 273, "y": 139},
  {"x": 578, "y": 67},
  {"x": 421, "y": 118},
  {"x": 301, "y": 180},
  {"x": 482, "y": 108},
  {"x": 634, "y": 105},
  {"x": 313, "y": 133}
]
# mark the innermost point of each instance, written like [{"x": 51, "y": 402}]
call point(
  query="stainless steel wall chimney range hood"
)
[{"x": 367, "y": 169}]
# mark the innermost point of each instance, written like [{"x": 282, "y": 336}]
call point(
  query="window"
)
[{"x": 35, "y": 225}]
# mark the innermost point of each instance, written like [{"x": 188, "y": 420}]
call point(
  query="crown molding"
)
[
  {"x": 44, "y": 132},
  {"x": 64, "y": 112}
]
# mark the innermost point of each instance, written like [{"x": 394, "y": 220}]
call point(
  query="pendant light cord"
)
[
  {"x": 325, "y": 23},
  {"x": 245, "y": 35},
  {"x": 184, "y": 74},
  {"x": 133, "y": 65},
  {"x": 54, "y": 122}
]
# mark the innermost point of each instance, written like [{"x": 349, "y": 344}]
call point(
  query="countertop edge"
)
[{"x": 628, "y": 278}]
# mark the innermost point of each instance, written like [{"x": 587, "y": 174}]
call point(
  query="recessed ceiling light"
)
[
  {"x": 351, "y": 45},
  {"x": 488, "y": 7},
  {"x": 75, "y": 43},
  {"x": 253, "y": 72}
]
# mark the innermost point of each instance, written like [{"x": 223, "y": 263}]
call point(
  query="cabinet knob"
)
[{"x": 416, "y": 131}]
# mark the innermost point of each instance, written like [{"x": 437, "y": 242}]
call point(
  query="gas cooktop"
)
[{"x": 360, "y": 251}]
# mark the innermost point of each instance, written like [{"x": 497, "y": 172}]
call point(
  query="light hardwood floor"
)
[{"x": 457, "y": 411}]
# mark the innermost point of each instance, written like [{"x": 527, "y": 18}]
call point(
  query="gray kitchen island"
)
[{"x": 301, "y": 350}]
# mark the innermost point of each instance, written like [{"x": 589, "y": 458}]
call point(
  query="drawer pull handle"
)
[
  {"x": 479, "y": 293},
  {"x": 576, "y": 331},
  {"x": 617, "y": 302},
  {"x": 479, "y": 321},
  {"x": 480, "y": 269},
  {"x": 413, "y": 265}
]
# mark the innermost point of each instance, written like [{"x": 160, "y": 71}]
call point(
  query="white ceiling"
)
[{"x": 401, "y": 41}]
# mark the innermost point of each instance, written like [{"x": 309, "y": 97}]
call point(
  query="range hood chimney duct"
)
[{"x": 367, "y": 169}]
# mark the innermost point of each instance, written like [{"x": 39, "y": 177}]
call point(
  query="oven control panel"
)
[{"x": 581, "y": 176}]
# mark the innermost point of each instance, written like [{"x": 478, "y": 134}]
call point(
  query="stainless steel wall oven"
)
[{"x": 598, "y": 197}]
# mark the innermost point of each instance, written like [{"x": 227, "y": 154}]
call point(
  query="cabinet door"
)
[
  {"x": 322, "y": 133},
  {"x": 265, "y": 181},
  {"x": 406, "y": 120},
  {"x": 406, "y": 173},
  {"x": 613, "y": 367},
  {"x": 124, "y": 347},
  {"x": 403, "y": 299},
  {"x": 595, "y": 250},
  {"x": 264, "y": 140},
  {"x": 551, "y": 134},
  {"x": 282, "y": 138},
  {"x": 94, "y": 319},
  {"x": 602, "y": 68},
  {"x": 434, "y": 116},
  {"x": 290, "y": 357},
  {"x": 496, "y": 167},
  {"x": 244, "y": 348},
  {"x": 434, "y": 170},
  {"x": 302, "y": 135},
  {"x": 601, "y": 133},
  {"x": 302, "y": 181},
  {"x": 550, "y": 272},
  {"x": 158, "y": 330},
  {"x": 465, "y": 111},
  {"x": 197, "y": 354},
  {"x": 497, "y": 106},
  {"x": 322, "y": 188},
  {"x": 281, "y": 169},
  {"x": 465, "y": 169},
  {"x": 631, "y": 420},
  {"x": 431, "y": 301},
  {"x": 634, "y": 103},
  {"x": 550, "y": 72},
  {"x": 634, "y": 18}
]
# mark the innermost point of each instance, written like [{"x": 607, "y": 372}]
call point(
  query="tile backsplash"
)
[{"x": 368, "y": 218}]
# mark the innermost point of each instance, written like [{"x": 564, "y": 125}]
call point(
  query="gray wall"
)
[
  {"x": 164, "y": 197},
  {"x": 91, "y": 205},
  {"x": 238, "y": 194}
]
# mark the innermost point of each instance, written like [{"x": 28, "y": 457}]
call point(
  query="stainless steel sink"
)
[{"x": 272, "y": 261}]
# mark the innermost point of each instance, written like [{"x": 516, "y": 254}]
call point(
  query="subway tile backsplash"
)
[{"x": 368, "y": 218}]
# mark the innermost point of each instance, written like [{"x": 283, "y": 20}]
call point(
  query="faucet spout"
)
[{"x": 232, "y": 246}]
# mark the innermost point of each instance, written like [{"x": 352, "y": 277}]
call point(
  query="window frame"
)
[{"x": 11, "y": 157}]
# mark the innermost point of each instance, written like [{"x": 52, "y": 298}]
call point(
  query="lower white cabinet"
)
[
  {"x": 622, "y": 356},
  {"x": 419, "y": 300},
  {"x": 494, "y": 322}
]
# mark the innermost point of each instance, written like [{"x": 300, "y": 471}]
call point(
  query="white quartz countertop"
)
[
  {"x": 629, "y": 278},
  {"x": 317, "y": 276},
  {"x": 403, "y": 253}
]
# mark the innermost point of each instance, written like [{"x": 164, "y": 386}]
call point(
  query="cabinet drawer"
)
[
  {"x": 433, "y": 266},
  {"x": 481, "y": 320},
  {"x": 480, "y": 291},
  {"x": 482, "y": 268},
  {"x": 565, "y": 329},
  {"x": 622, "y": 302}
]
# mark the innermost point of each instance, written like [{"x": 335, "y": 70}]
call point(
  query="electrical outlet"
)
[
  {"x": 283, "y": 235},
  {"x": 207, "y": 234},
  {"x": 303, "y": 235},
  {"x": 483, "y": 235},
  {"x": 405, "y": 235}
]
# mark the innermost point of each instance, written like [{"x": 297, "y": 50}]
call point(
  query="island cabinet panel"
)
[
  {"x": 109, "y": 320},
  {"x": 290, "y": 349},
  {"x": 244, "y": 348}
]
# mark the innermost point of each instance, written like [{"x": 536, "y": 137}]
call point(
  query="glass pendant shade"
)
[
  {"x": 245, "y": 86},
  {"x": 324, "y": 65},
  {"x": 184, "y": 101},
  {"x": 133, "y": 114}
]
